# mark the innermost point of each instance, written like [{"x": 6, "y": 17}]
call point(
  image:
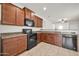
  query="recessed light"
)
[{"x": 44, "y": 8}]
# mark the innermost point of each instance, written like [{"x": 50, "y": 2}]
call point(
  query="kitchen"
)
[{"x": 24, "y": 26}]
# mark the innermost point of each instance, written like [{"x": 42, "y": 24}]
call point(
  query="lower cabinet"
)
[
  {"x": 38, "y": 37},
  {"x": 51, "y": 38},
  {"x": 15, "y": 45},
  {"x": 41, "y": 37},
  {"x": 54, "y": 38},
  {"x": 21, "y": 44}
]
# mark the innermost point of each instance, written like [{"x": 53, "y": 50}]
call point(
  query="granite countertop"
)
[
  {"x": 58, "y": 31},
  {"x": 68, "y": 33},
  {"x": 9, "y": 35},
  {"x": 47, "y": 32}
]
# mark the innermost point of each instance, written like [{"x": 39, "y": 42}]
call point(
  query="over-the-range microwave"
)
[{"x": 29, "y": 22}]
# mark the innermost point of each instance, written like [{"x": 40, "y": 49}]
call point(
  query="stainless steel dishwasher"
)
[{"x": 70, "y": 41}]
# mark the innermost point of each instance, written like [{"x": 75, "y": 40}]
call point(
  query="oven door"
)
[{"x": 32, "y": 41}]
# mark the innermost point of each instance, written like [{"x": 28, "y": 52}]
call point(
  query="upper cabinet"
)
[
  {"x": 35, "y": 20},
  {"x": 8, "y": 13},
  {"x": 13, "y": 15},
  {"x": 28, "y": 13},
  {"x": 38, "y": 21},
  {"x": 19, "y": 16}
]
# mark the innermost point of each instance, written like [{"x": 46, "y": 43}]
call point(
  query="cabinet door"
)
[
  {"x": 15, "y": 45},
  {"x": 8, "y": 13},
  {"x": 19, "y": 16},
  {"x": 39, "y": 22},
  {"x": 55, "y": 39},
  {"x": 35, "y": 21},
  {"x": 27, "y": 13},
  {"x": 9, "y": 46},
  {"x": 50, "y": 38},
  {"x": 58, "y": 40},
  {"x": 38, "y": 37},
  {"x": 43, "y": 37},
  {"x": 21, "y": 43}
]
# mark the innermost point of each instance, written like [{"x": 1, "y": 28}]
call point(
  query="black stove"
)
[{"x": 32, "y": 38}]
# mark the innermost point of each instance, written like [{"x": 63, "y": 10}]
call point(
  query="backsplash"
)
[{"x": 9, "y": 28}]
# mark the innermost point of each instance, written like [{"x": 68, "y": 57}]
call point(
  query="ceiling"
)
[{"x": 55, "y": 11}]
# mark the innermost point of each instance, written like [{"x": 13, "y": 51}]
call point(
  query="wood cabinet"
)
[
  {"x": 38, "y": 21},
  {"x": 35, "y": 21},
  {"x": 21, "y": 44},
  {"x": 51, "y": 38},
  {"x": 9, "y": 46},
  {"x": 12, "y": 15},
  {"x": 8, "y": 14},
  {"x": 28, "y": 13},
  {"x": 42, "y": 37},
  {"x": 54, "y": 38},
  {"x": 19, "y": 16},
  {"x": 38, "y": 37},
  {"x": 14, "y": 45}
]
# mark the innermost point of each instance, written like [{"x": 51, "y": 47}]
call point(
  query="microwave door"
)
[{"x": 29, "y": 23}]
